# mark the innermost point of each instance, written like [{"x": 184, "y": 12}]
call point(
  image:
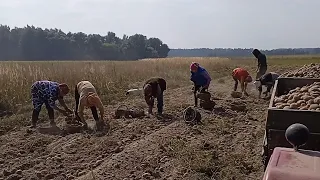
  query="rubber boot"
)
[
  {"x": 51, "y": 116},
  {"x": 35, "y": 116},
  {"x": 195, "y": 100},
  {"x": 150, "y": 110}
]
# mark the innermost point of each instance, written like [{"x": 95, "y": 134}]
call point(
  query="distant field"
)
[{"x": 112, "y": 78}]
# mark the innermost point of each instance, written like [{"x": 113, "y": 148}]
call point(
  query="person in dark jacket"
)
[
  {"x": 268, "y": 80},
  {"x": 262, "y": 63},
  {"x": 200, "y": 78},
  {"x": 154, "y": 88}
]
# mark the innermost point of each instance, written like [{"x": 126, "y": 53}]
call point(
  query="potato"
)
[
  {"x": 285, "y": 97},
  {"x": 278, "y": 100},
  {"x": 315, "y": 88},
  {"x": 286, "y": 107},
  {"x": 291, "y": 96},
  {"x": 293, "y": 106},
  {"x": 296, "y": 97},
  {"x": 304, "y": 108},
  {"x": 300, "y": 102},
  {"x": 306, "y": 97},
  {"x": 291, "y": 101},
  {"x": 313, "y": 106},
  {"x": 317, "y": 100},
  {"x": 310, "y": 102},
  {"x": 304, "y": 89},
  {"x": 280, "y": 106},
  {"x": 314, "y": 95}
]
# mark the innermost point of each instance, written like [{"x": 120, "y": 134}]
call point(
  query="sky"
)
[{"x": 263, "y": 24}]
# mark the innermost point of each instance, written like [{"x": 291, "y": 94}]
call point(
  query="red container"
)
[{"x": 288, "y": 164}]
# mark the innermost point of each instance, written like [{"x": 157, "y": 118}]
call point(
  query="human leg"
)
[
  {"x": 160, "y": 103},
  {"x": 37, "y": 103},
  {"x": 50, "y": 113},
  {"x": 195, "y": 89},
  {"x": 94, "y": 113}
]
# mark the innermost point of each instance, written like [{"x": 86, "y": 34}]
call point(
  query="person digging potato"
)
[
  {"x": 268, "y": 80},
  {"x": 200, "y": 78},
  {"x": 154, "y": 88},
  {"x": 86, "y": 96},
  {"x": 242, "y": 75},
  {"x": 47, "y": 92}
]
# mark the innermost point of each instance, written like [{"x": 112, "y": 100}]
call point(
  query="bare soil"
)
[{"x": 225, "y": 145}]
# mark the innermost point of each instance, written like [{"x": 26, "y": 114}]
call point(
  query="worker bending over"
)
[
  {"x": 47, "y": 92},
  {"x": 200, "y": 78},
  {"x": 242, "y": 75},
  {"x": 86, "y": 96},
  {"x": 268, "y": 80},
  {"x": 154, "y": 88}
]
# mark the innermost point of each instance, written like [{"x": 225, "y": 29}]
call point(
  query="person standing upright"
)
[{"x": 262, "y": 63}]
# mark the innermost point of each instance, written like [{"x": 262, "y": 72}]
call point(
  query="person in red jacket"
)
[{"x": 242, "y": 75}]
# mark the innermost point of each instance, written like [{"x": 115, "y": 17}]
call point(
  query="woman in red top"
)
[{"x": 242, "y": 75}]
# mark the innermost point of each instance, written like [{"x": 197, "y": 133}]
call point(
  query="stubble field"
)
[{"x": 226, "y": 145}]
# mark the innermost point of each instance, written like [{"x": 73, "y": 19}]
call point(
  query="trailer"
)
[
  {"x": 294, "y": 163},
  {"x": 278, "y": 120}
]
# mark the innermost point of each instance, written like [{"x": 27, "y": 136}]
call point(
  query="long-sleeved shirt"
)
[
  {"x": 85, "y": 88},
  {"x": 262, "y": 60},
  {"x": 201, "y": 77},
  {"x": 45, "y": 91}
]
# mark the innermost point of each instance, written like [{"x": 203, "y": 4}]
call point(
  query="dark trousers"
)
[
  {"x": 160, "y": 102},
  {"x": 35, "y": 114},
  {"x": 93, "y": 108},
  {"x": 196, "y": 89}
]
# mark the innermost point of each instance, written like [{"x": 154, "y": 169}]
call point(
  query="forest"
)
[{"x": 34, "y": 43}]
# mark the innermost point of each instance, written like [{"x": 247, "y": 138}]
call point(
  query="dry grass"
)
[
  {"x": 110, "y": 78},
  {"x": 113, "y": 78}
]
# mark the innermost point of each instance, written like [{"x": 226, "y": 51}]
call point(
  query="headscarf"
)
[
  {"x": 64, "y": 88},
  {"x": 194, "y": 66}
]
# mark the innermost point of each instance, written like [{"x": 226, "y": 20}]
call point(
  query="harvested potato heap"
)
[
  {"x": 301, "y": 98},
  {"x": 308, "y": 71}
]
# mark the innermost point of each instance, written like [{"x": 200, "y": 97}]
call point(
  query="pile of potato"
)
[
  {"x": 300, "y": 98},
  {"x": 307, "y": 71}
]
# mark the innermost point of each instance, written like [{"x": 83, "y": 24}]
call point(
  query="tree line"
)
[
  {"x": 34, "y": 43},
  {"x": 238, "y": 52}
]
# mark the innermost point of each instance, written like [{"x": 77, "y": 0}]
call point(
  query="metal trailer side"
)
[{"x": 278, "y": 120}]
